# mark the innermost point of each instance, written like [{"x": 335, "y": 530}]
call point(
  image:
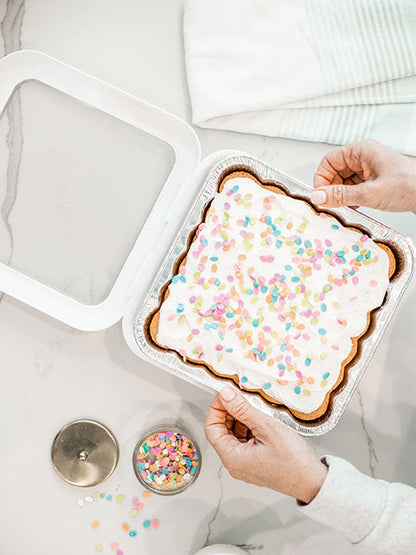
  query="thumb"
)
[
  {"x": 341, "y": 195},
  {"x": 235, "y": 404}
]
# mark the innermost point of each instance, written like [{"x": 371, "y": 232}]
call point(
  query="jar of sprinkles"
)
[{"x": 166, "y": 460}]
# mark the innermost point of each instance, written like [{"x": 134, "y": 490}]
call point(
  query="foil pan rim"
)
[{"x": 197, "y": 374}]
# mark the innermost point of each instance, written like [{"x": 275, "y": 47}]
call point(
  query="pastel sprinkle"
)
[
  {"x": 133, "y": 533},
  {"x": 297, "y": 390},
  {"x": 322, "y": 331},
  {"x": 146, "y": 524},
  {"x": 155, "y": 523},
  {"x": 114, "y": 545},
  {"x": 119, "y": 498},
  {"x": 95, "y": 524},
  {"x": 99, "y": 547},
  {"x": 373, "y": 283},
  {"x": 267, "y": 385}
]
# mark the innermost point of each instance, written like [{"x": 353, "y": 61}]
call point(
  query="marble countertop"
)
[{"x": 52, "y": 374}]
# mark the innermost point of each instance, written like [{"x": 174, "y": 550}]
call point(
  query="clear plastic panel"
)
[{"x": 76, "y": 186}]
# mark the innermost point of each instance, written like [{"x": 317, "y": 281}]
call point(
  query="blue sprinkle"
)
[
  {"x": 297, "y": 390},
  {"x": 250, "y": 291},
  {"x": 283, "y": 348},
  {"x": 352, "y": 272},
  {"x": 321, "y": 331},
  {"x": 355, "y": 248},
  {"x": 229, "y": 350},
  {"x": 264, "y": 289},
  {"x": 283, "y": 277},
  {"x": 246, "y": 221},
  {"x": 308, "y": 362},
  {"x": 182, "y": 279},
  {"x": 204, "y": 242},
  {"x": 146, "y": 523},
  {"x": 132, "y": 533},
  {"x": 207, "y": 326},
  {"x": 323, "y": 307},
  {"x": 279, "y": 244},
  {"x": 334, "y": 226},
  {"x": 275, "y": 292},
  {"x": 214, "y": 325},
  {"x": 359, "y": 258},
  {"x": 298, "y": 241},
  {"x": 255, "y": 351},
  {"x": 180, "y": 307},
  {"x": 281, "y": 366},
  {"x": 287, "y": 327},
  {"x": 268, "y": 220},
  {"x": 308, "y": 244},
  {"x": 165, "y": 471},
  {"x": 220, "y": 335},
  {"x": 235, "y": 188},
  {"x": 276, "y": 232},
  {"x": 263, "y": 356},
  {"x": 142, "y": 466},
  {"x": 326, "y": 375},
  {"x": 102, "y": 495},
  {"x": 267, "y": 385},
  {"x": 175, "y": 279},
  {"x": 109, "y": 497},
  {"x": 295, "y": 278},
  {"x": 244, "y": 379},
  {"x": 214, "y": 258},
  {"x": 217, "y": 281},
  {"x": 301, "y": 251},
  {"x": 255, "y": 323},
  {"x": 230, "y": 314},
  {"x": 288, "y": 267},
  {"x": 256, "y": 284},
  {"x": 368, "y": 254},
  {"x": 341, "y": 254},
  {"x": 328, "y": 252}
]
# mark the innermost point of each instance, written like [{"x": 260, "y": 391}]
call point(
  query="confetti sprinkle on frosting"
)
[{"x": 273, "y": 292}]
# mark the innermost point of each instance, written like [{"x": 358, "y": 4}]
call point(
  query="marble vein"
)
[
  {"x": 373, "y": 459},
  {"x": 11, "y": 31},
  {"x": 217, "y": 507}
]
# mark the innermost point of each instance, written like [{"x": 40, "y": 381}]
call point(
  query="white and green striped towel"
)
[{"x": 330, "y": 71}]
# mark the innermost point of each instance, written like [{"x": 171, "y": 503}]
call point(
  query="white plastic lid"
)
[{"x": 89, "y": 179}]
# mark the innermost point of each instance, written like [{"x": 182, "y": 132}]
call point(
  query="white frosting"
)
[{"x": 273, "y": 293}]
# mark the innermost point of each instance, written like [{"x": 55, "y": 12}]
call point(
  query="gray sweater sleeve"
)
[{"x": 378, "y": 517}]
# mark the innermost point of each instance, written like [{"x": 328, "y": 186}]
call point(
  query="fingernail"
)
[
  {"x": 227, "y": 393},
  {"x": 318, "y": 196}
]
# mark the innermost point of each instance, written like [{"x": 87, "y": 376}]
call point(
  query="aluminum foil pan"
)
[{"x": 401, "y": 246}]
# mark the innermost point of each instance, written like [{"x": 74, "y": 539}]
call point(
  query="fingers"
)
[
  {"x": 236, "y": 405},
  {"x": 218, "y": 429},
  {"x": 341, "y": 195}
]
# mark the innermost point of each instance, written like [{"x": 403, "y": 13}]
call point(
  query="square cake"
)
[{"x": 272, "y": 294}]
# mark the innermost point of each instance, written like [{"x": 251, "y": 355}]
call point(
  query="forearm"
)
[{"x": 380, "y": 518}]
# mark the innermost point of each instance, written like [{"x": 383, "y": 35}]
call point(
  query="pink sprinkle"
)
[
  {"x": 195, "y": 254},
  {"x": 155, "y": 523},
  {"x": 195, "y": 331},
  {"x": 119, "y": 552},
  {"x": 373, "y": 283},
  {"x": 182, "y": 270},
  {"x": 139, "y": 506},
  {"x": 353, "y": 299},
  {"x": 227, "y": 205},
  {"x": 306, "y": 336},
  {"x": 364, "y": 238},
  {"x": 355, "y": 280},
  {"x": 328, "y": 243},
  {"x": 338, "y": 282},
  {"x": 201, "y": 281},
  {"x": 281, "y": 372},
  {"x": 278, "y": 358},
  {"x": 171, "y": 317},
  {"x": 219, "y": 347},
  {"x": 135, "y": 500},
  {"x": 267, "y": 329},
  {"x": 298, "y": 374},
  {"x": 201, "y": 267},
  {"x": 182, "y": 352},
  {"x": 335, "y": 347},
  {"x": 114, "y": 545}
]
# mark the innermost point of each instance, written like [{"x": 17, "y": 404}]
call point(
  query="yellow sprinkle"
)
[
  {"x": 323, "y": 356},
  {"x": 99, "y": 547},
  {"x": 96, "y": 496},
  {"x": 120, "y": 498},
  {"x": 306, "y": 392}
]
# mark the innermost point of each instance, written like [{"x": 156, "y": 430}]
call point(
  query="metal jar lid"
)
[{"x": 84, "y": 453}]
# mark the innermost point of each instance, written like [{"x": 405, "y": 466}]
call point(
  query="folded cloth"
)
[{"x": 316, "y": 70}]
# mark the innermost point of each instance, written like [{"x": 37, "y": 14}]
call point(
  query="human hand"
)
[
  {"x": 256, "y": 448},
  {"x": 366, "y": 173}
]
